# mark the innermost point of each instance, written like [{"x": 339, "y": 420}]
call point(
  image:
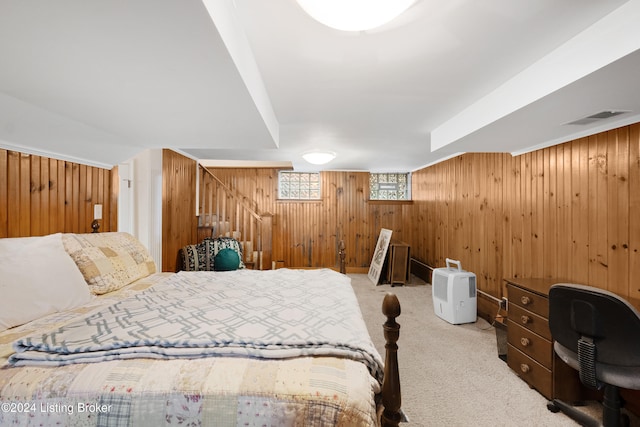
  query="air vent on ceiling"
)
[{"x": 607, "y": 114}]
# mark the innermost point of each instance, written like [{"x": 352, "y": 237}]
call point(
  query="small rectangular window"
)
[
  {"x": 389, "y": 186},
  {"x": 298, "y": 185}
]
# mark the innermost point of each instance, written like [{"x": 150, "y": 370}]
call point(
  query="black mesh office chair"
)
[{"x": 597, "y": 333}]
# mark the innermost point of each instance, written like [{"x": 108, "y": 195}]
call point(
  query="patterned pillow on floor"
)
[{"x": 197, "y": 257}]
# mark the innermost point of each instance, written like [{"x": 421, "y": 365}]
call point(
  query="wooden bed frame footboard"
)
[{"x": 391, "y": 396}]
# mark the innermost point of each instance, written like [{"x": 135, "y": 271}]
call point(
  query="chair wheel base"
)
[
  {"x": 572, "y": 412},
  {"x": 625, "y": 421},
  {"x": 552, "y": 407}
]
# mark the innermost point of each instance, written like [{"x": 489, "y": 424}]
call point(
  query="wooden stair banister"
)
[
  {"x": 242, "y": 200},
  {"x": 266, "y": 240},
  {"x": 226, "y": 212}
]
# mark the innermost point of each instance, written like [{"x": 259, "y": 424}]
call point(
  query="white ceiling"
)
[{"x": 256, "y": 80}]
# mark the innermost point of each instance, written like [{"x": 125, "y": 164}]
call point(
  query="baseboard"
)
[
  {"x": 421, "y": 270},
  {"x": 418, "y": 269},
  {"x": 358, "y": 270}
]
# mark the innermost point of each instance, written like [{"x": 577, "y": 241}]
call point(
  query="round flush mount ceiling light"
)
[
  {"x": 319, "y": 157},
  {"x": 354, "y": 15}
]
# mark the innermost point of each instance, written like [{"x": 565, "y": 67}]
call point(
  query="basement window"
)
[
  {"x": 298, "y": 185},
  {"x": 389, "y": 186}
]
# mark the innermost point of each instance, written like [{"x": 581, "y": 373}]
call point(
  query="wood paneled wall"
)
[
  {"x": 458, "y": 213},
  {"x": 179, "y": 222},
  {"x": 306, "y": 234},
  {"x": 569, "y": 212},
  {"x": 40, "y": 195}
]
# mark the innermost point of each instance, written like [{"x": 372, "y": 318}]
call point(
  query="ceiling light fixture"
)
[
  {"x": 319, "y": 157},
  {"x": 354, "y": 15}
]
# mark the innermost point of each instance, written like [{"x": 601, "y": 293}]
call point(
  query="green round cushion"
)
[{"x": 226, "y": 260}]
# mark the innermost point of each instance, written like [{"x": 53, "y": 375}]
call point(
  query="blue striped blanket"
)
[{"x": 259, "y": 314}]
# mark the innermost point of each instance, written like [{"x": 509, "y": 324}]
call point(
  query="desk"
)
[{"x": 530, "y": 345}]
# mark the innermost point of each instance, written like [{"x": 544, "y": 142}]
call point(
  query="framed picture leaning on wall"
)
[{"x": 379, "y": 255}]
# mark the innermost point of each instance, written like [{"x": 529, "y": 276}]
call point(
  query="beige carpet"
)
[{"x": 451, "y": 374}]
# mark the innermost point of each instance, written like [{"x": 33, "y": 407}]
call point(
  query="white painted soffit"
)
[
  {"x": 212, "y": 163},
  {"x": 22, "y": 125},
  {"x": 222, "y": 13},
  {"x": 613, "y": 37},
  {"x": 96, "y": 100}
]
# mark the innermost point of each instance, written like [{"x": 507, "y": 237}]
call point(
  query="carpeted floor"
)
[{"x": 451, "y": 374}]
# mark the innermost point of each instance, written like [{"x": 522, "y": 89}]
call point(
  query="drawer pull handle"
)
[
  {"x": 524, "y": 368},
  {"x": 525, "y": 342},
  {"x": 525, "y": 300},
  {"x": 525, "y": 319}
]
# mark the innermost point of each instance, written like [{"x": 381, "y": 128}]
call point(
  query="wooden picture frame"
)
[{"x": 379, "y": 255}]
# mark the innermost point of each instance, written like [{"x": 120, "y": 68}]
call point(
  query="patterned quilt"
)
[{"x": 146, "y": 379}]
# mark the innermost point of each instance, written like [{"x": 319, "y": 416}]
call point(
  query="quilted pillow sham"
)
[{"x": 109, "y": 261}]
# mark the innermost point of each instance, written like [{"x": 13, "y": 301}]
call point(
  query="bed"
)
[{"x": 140, "y": 348}]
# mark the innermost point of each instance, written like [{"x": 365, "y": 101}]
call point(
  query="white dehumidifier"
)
[{"x": 454, "y": 293}]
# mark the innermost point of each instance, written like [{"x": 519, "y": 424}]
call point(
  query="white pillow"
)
[{"x": 37, "y": 277}]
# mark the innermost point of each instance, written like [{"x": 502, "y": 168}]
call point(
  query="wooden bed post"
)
[
  {"x": 341, "y": 253},
  {"x": 391, "y": 399}
]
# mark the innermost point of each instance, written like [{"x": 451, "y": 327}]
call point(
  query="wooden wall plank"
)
[
  {"x": 498, "y": 213},
  {"x": 513, "y": 198},
  {"x": 537, "y": 223},
  {"x": 25, "y": 196},
  {"x": 634, "y": 208},
  {"x": 598, "y": 184},
  {"x": 13, "y": 192},
  {"x": 84, "y": 183},
  {"x": 54, "y": 197},
  {"x": 466, "y": 201},
  {"x": 564, "y": 210},
  {"x": 580, "y": 225},
  {"x": 45, "y": 193},
  {"x": 4, "y": 193},
  {"x": 34, "y": 189},
  {"x": 550, "y": 210},
  {"x": 527, "y": 227},
  {"x": 62, "y": 195},
  {"x": 68, "y": 195},
  {"x": 618, "y": 208}
]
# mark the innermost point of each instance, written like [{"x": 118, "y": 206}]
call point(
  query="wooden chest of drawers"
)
[{"x": 530, "y": 347}]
